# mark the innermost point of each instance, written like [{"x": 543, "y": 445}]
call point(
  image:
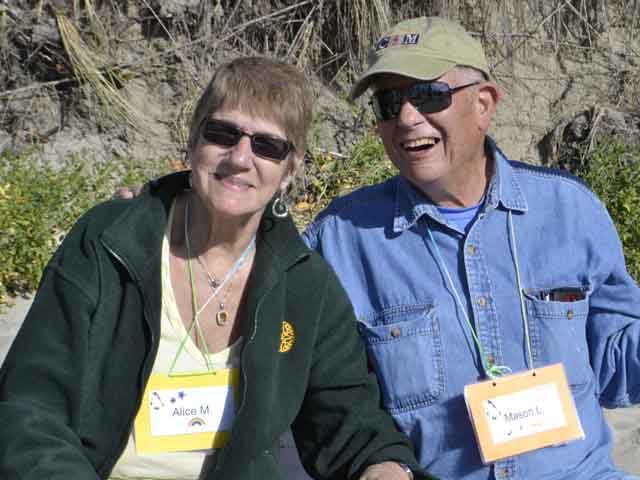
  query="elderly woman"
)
[{"x": 180, "y": 334}]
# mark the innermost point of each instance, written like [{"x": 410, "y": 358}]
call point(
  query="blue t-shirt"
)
[{"x": 461, "y": 218}]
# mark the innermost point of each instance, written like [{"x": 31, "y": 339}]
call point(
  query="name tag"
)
[
  {"x": 187, "y": 412},
  {"x": 522, "y": 412}
]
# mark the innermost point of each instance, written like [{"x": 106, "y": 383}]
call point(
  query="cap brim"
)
[{"x": 406, "y": 64}]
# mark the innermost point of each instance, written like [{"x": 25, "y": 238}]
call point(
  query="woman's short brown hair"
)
[{"x": 260, "y": 86}]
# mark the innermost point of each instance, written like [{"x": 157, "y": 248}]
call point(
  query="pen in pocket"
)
[{"x": 566, "y": 294}]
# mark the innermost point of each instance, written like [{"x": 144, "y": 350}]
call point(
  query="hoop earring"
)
[{"x": 279, "y": 208}]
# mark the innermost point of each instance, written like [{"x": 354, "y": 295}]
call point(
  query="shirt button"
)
[
  {"x": 471, "y": 249},
  {"x": 504, "y": 472},
  {"x": 482, "y": 301},
  {"x": 395, "y": 333},
  {"x": 491, "y": 359},
  {"x": 570, "y": 314}
]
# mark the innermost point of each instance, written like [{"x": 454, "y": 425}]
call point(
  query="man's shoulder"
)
[
  {"x": 545, "y": 172},
  {"x": 555, "y": 181},
  {"x": 364, "y": 198},
  {"x": 372, "y": 205}
]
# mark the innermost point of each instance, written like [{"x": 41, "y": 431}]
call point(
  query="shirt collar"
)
[{"x": 504, "y": 190}]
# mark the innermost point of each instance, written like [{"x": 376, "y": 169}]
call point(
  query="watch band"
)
[{"x": 406, "y": 469}]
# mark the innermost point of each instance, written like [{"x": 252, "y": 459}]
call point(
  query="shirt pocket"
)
[
  {"x": 405, "y": 350},
  {"x": 558, "y": 332}
]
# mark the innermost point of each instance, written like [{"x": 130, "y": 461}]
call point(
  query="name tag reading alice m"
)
[
  {"x": 186, "y": 412},
  {"x": 522, "y": 412}
]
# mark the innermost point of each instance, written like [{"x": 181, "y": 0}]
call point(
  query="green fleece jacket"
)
[{"x": 73, "y": 379}]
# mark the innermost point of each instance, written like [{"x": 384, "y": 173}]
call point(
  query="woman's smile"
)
[{"x": 232, "y": 182}]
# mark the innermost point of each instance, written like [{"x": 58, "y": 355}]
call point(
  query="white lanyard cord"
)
[
  {"x": 523, "y": 310},
  {"x": 491, "y": 370}
]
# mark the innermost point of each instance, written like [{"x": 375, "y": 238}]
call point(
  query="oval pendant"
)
[{"x": 221, "y": 318}]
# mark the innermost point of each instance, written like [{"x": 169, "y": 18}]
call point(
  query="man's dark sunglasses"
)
[
  {"x": 228, "y": 135},
  {"x": 426, "y": 97}
]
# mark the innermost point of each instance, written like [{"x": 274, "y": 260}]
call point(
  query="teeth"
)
[
  {"x": 233, "y": 180},
  {"x": 419, "y": 142}
]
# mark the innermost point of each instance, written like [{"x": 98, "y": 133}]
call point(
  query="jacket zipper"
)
[
  {"x": 224, "y": 451},
  {"x": 124, "y": 440}
]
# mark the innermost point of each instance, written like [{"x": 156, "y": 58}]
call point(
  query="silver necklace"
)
[
  {"x": 214, "y": 283},
  {"x": 222, "y": 316}
]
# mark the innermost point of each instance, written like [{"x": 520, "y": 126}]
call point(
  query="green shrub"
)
[
  {"x": 40, "y": 202},
  {"x": 328, "y": 176},
  {"x": 613, "y": 172}
]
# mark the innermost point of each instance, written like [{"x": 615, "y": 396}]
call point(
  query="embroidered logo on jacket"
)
[{"x": 287, "y": 337}]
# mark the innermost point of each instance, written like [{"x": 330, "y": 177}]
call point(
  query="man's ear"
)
[{"x": 488, "y": 97}]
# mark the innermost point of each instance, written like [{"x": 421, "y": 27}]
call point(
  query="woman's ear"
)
[{"x": 291, "y": 172}]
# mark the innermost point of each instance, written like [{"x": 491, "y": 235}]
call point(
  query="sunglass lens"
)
[
  {"x": 430, "y": 97},
  {"x": 221, "y": 133},
  {"x": 266, "y": 146},
  {"x": 427, "y": 97},
  {"x": 387, "y": 104}
]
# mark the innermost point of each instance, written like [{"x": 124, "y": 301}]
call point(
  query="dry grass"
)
[
  {"x": 104, "y": 80},
  {"x": 327, "y": 38}
]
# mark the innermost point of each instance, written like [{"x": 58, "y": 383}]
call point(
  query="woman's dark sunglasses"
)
[
  {"x": 426, "y": 97},
  {"x": 228, "y": 135}
]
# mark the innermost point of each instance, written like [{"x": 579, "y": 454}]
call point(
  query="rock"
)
[
  {"x": 174, "y": 8},
  {"x": 6, "y": 142},
  {"x": 10, "y": 322},
  {"x": 564, "y": 144}
]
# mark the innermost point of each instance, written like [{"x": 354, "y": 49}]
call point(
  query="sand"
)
[{"x": 625, "y": 423}]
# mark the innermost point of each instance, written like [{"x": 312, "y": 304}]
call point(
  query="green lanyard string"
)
[
  {"x": 491, "y": 370},
  {"x": 194, "y": 298}
]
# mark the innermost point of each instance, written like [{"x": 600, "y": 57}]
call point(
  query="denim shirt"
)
[{"x": 420, "y": 344}]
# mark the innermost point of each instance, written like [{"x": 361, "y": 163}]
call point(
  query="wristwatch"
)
[{"x": 406, "y": 469}]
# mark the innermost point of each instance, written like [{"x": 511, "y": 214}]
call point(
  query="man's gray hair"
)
[{"x": 470, "y": 74}]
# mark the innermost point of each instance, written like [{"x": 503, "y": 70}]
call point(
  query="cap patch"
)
[{"x": 398, "y": 41}]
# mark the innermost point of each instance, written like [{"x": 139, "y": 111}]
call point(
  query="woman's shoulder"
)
[
  {"x": 313, "y": 276},
  {"x": 96, "y": 219}
]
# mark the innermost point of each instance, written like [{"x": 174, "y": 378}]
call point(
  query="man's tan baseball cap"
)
[{"x": 423, "y": 48}]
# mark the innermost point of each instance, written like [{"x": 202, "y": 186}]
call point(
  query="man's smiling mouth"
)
[{"x": 419, "y": 144}]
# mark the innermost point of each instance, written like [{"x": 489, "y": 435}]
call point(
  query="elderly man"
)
[{"x": 469, "y": 267}]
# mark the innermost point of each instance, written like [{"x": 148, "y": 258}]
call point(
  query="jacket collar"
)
[
  {"x": 278, "y": 247},
  {"x": 503, "y": 190},
  {"x": 135, "y": 237}
]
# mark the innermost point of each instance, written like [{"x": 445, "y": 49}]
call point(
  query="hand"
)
[
  {"x": 385, "y": 471},
  {"x": 128, "y": 192}
]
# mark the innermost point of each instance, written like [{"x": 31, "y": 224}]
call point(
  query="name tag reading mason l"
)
[
  {"x": 186, "y": 412},
  {"x": 522, "y": 412}
]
